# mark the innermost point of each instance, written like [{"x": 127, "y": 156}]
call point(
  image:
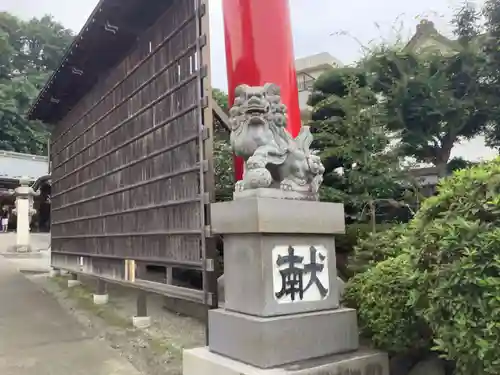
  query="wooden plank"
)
[
  {"x": 220, "y": 115},
  {"x": 129, "y": 175}
]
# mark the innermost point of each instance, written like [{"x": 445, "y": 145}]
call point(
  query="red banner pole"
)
[{"x": 259, "y": 50}]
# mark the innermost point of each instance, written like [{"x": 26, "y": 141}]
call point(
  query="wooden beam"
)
[{"x": 220, "y": 115}]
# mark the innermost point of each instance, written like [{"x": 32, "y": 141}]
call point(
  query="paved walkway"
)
[{"x": 37, "y": 337}]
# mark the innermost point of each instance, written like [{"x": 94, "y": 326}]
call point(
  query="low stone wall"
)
[{"x": 39, "y": 241}]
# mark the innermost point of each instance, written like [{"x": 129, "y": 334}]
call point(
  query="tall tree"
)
[
  {"x": 433, "y": 101},
  {"x": 349, "y": 126},
  {"x": 223, "y": 156},
  {"x": 29, "y": 52},
  {"x": 490, "y": 43}
]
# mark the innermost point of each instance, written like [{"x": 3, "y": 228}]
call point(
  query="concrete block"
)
[
  {"x": 55, "y": 273},
  {"x": 22, "y": 248},
  {"x": 250, "y": 268},
  {"x": 274, "y": 341},
  {"x": 73, "y": 283},
  {"x": 363, "y": 362},
  {"x": 101, "y": 299},
  {"x": 141, "y": 321},
  {"x": 268, "y": 215}
]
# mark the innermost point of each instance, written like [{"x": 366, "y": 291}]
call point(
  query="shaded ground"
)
[
  {"x": 154, "y": 351},
  {"x": 37, "y": 337}
]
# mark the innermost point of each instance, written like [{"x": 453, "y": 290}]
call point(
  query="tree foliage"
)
[
  {"x": 490, "y": 45},
  {"x": 458, "y": 163},
  {"x": 349, "y": 129},
  {"x": 433, "y": 100},
  {"x": 29, "y": 52},
  {"x": 223, "y": 155}
]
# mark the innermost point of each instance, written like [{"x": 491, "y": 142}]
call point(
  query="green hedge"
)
[
  {"x": 382, "y": 297},
  {"x": 439, "y": 287}
]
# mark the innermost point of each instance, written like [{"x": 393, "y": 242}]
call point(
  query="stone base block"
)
[
  {"x": 101, "y": 299},
  {"x": 267, "y": 193},
  {"x": 275, "y": 341},
  {"x": 141, "y": 321},
  {"x": 73, "y": 283},
  {"x": 363, "y": 362},
  {"x": 20, "y": 249},
  {"x": 55, "y": 273},
  {"x": 14, "y": 254},
  {"x": 267, "y": 215}
]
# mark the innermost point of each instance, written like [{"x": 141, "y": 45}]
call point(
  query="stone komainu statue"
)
[{"x": 273, "y": 159}]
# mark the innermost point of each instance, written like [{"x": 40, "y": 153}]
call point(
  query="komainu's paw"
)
[
  {"x": 255, "y": 163},
  {"x": 286, "y": 185},
  {"x": 258, "y": 178}
]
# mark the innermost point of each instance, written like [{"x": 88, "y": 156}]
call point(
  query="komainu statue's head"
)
[{"x": 258, "y": 105}]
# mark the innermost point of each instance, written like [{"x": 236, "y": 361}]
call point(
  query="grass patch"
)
[
  {"x": 161, "y": 347},
  {"x": 84, "y": 300}
]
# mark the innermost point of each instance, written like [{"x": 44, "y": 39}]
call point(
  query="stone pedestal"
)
[
  {"x": 281, "y": 311},
  {"x": 272, "y": 341},
  {"x": 361, "y": 362},
  {"x": 23, "y": 226}
]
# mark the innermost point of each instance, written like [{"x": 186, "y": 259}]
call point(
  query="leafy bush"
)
[
  {"x": 442, "y": 281},
  {"x": 376, "y": 247},
  {"x": 460, "y": 264},
  {"x": 459, "y": 258},
  {"x": 382, "y": 297}
]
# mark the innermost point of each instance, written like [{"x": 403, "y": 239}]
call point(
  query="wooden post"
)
[
  {"x": 142, "y": 304},
  {"x": 102, "y": 287},
  {"x": 141, "y": 320},
  {"x": 101, "y": 294}
]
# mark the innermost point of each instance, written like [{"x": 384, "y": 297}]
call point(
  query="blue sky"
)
[{"x": 337, "y": 27}]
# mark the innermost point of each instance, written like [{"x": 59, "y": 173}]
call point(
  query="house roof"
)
[
  {"x": 427, "y": 30},
  {"x": 314, "y": 62},
  {"x": 14, "y": 166},
  {"x": 108, "y": 35},
  {"x": 424, "y": 171}
]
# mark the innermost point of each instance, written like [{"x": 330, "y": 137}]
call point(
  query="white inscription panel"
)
[{"x": 300, "y": 273}]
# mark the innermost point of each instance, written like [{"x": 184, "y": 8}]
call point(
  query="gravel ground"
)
[{"x": 154, "y": 351}]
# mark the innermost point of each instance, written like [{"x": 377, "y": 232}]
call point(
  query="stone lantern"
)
[{"x": 24, "y": 211}]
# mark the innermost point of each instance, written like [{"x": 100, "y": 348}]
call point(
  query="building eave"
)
[{"x": 108, "y": 35}]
